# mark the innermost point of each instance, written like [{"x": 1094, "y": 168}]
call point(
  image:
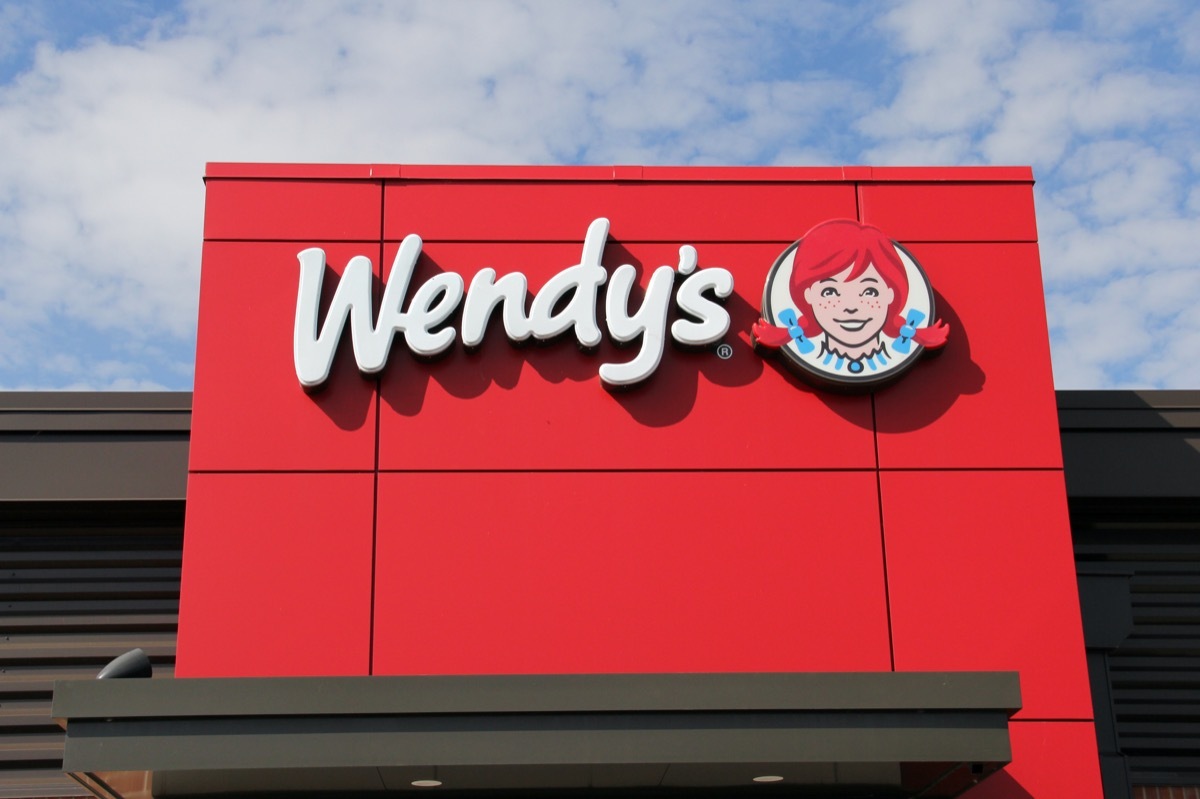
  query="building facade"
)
[{"x": 712, "y": 519}]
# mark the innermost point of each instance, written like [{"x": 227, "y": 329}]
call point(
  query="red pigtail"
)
[
  {"x": 768, "y": 335},
  {"x": 930, "y": 337},
  {"x": 933, "y": 336}
]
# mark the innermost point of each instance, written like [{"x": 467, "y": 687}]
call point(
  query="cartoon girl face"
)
[
  {"x": 848, "y": 308},
  {"x": 851, "y": 311}
]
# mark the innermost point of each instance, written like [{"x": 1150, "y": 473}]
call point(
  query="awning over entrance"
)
[{"x": 878, "y": 734}]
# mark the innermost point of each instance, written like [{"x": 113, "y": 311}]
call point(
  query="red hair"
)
[{"x": 832, "y": 247}]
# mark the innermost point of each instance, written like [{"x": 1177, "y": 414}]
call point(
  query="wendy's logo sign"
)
[
  {"x": 847, "y": 308},
  {"x": 570, "y": 303}
]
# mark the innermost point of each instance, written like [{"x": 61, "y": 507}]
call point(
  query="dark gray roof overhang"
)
[{"x": 892, "y": 734}]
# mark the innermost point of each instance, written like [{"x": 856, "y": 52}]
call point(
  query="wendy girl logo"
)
[{"x": 847, "y": 308}]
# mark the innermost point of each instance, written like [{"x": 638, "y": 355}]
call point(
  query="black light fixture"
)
[{"x": 133, "y": 664}]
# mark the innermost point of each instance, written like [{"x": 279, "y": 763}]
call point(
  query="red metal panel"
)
[
  {"x": 277, "y": 575},
  {"x": 543, "y": 406},
  {"x": 746, "y": 174},
  {"x": 226, "y": 169},
  {"x": 473, "y": 175},
  {"x": 690, "y": 174},
  {"x": 296, "y": 210},
  {"x": 1050, "y": 759},
  {"x": 910, "y": 212},
  {"x": 610, "y": 572},
  {"x": 955, "y": 174},
  {"x": 249, "y": 411},
  {"x": 988, "y": 399},
  {"x": 661, "y": 212},
  {"x": 981, "y": 577}
]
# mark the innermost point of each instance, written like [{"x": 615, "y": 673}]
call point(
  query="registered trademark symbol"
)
[{"x": 724, "y": 352}]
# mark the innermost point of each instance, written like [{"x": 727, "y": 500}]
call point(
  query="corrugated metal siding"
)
[
  {"x": 91, "y": 530},
  {"x": 1155, "y": 673},
  {"x": 1133, "y": 480},
  {"x": 79, "y": 585}
]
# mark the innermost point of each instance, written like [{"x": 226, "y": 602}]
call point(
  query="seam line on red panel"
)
[
  {"x": 375, "y": 472},
  {"x": 308, "y": 242},
  {"x": 971, "y": 242},
  {"x": 971, "y": 468},
  {"x": 654, "y": 470},
  {"x": 374, "y": 541},
  {"x": 887, "y": 588},
  {"x": 576, "y": 239},
  {"x": 571, "y": 240},
  {"x": 598, "y": 470},
  {"x": 281, "y": 471}
]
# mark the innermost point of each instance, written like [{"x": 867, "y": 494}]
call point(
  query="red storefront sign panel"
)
[
  {"x": 540, "y": 408},
  {"x": 603, "y": 572},
  {"x": 981, "y": 577},
  {"x": 641, "y": 211},
  {"x": 249, "y": 412},
  {"x": 499, "y": 511},
  {"x": 987, "y": 400},
  {"x": 292, "y": 210},
  {"x": 277, "y": 575},
  {"x": 918, "y": 211}
]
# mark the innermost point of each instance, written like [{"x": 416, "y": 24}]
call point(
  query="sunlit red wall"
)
[{"x": 500, "y": 512}]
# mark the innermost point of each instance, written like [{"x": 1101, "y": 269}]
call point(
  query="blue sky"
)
[{"x": 109, "y": 111}]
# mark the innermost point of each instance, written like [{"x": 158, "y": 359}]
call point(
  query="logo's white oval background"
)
[{"x": 777, "y": 298}]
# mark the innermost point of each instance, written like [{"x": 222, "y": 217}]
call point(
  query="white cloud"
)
[
  {"x": 1187, "y": 32},
  {"x": 1113, "y": 180},
  {"x": 985, "y": 27},
  {"x": 1084, "y": 93},
  {"x": 948, "y": 83},
  {"x": 1141, "y": 326},
  {"x": 1122, "y": 18},
  {"x": 955, "y": 148},
  {"x": 17, "y": 23}
]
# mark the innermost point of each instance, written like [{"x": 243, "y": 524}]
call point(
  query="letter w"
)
[{"x": 313, "y": 352}]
